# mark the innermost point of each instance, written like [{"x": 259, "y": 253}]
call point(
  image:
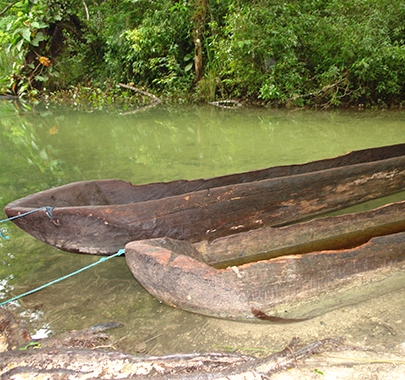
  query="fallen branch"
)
[
  {"x": 55, "y": 363},
  {"x": 7, "y": 8},
  {"x": 260, "y": 369},
  {"x": 229, "y": 104},
  {"x": 341, "y": 85},
  {"x": 155, "y": 99},
  {"x": 107, "y": 365},
  {"x": 86, "y": 10},
  {"x": 68, "y": 356},
  {"x": 318, "y": 92}
]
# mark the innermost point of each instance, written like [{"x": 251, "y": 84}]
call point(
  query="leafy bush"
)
[
  {"x": 316, "y": 51},
  {"x": 25, "y": 43},
  {"x": 160, "y": 47},
  {"x": 298, "y": 52},
  {"x": 6, "y": 60}
]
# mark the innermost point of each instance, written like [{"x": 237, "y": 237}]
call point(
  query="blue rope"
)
[
  {"x": 47, "y": 209},
  {"x": 105, "y": 258},
  {"x": 4, "y": 236}
]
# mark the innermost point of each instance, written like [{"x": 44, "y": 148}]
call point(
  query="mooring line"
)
[
  {"x": 105, "y": 258},
  {"x": 4, "y": 236},
  {"x": 47, "y": 209}
]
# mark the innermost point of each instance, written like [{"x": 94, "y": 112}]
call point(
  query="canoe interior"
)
[{"x": 334, "y": 232}]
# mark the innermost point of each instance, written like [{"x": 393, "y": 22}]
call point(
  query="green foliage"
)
[
  {"x": 6, "y": 60},
  {"x": 143, "y": 41},
  {"x": 316, "y": 51},
  {"x": 160, "y": 47},
  {"x": 262, "y": 51},
  {"x": 25, "y": 28},
  {"x": 298, "y": 52},
  {"x": 111, "y": 99},
  {"x": 361, "y": 46}
]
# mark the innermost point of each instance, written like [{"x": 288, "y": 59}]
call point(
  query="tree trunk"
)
[{"x": 199, "y": 14}]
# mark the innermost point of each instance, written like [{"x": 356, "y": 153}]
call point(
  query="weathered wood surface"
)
[
  {"x": 78, "y": 364},
  {"x": 282, "y": 289},
  {"x": 109, "y": 364},
  {"x": 67, "y": 356},
  {"x": 337, "y": 232},
  {"x": 100, "y": 217}
]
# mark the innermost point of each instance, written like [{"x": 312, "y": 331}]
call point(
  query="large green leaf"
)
[
  {"x": 38, "y": 38},
  {"x": 26, "y": 33}
]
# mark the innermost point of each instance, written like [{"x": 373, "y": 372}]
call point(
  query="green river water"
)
[{"x": 42, "y": 148}]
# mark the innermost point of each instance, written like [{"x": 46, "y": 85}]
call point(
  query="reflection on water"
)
[{"x": 41, "y": 148}]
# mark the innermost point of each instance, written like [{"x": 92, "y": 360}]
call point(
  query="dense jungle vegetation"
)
[{"x": 291, "y": 52}]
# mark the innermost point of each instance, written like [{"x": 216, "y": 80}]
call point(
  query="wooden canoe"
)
[
  {"x": 101, "y": 216},
  {"x": 284, "y": 274}
]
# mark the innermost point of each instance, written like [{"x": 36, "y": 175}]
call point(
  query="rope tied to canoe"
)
[
  {"x": 48, "y": 211},
  {"x": 101, "y": 260}
]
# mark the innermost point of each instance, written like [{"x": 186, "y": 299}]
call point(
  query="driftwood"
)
[
  {"x": 77, "y": 364},
  {"x": 155, "y": 99},
  {"x": 68, "y": 356},
  {"x": 229, "y": 104}
]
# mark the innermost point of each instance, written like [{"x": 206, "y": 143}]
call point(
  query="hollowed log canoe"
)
[
  {"x": 101, "y": 216},
  {"x": 282, "y": 275}
]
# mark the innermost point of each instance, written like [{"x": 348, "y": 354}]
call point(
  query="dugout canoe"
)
[
  {"x": 282, "y": 275},
  {"x": 101, "y": 216}
]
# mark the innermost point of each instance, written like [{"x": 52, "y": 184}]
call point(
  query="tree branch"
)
[
  {"x": 155, "y": 99},
  {"x": 7, "y": 8},
  {"x": 86, "y": 10}
]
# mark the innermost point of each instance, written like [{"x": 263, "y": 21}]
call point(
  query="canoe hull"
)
[
  {"x": 281, "y": 290},
  {"x": 100, "y": 217}
]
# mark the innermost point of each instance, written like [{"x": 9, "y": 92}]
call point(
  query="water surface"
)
[{"x": 41, "y": 148}]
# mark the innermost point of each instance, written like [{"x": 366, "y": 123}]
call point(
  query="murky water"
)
[{"x": 41, "y": 148}]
